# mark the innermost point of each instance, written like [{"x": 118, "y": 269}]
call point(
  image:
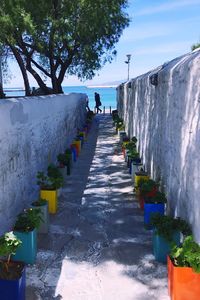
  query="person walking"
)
[{"x": 98, "y": 102}]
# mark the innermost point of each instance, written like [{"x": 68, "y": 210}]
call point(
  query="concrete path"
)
[{"x": 97, "y": 248}]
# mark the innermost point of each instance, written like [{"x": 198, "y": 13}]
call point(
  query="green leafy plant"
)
[
  {"x": 166, "y": 226},
  {"x": 134, "y": 139},
  {"x": 130, "y": 146},
  {"x": 52, "y": 181},
  {"x": 9, "y": 244},
  {"x": 63, "y": 159},
  {"x": 158, "y": 197},
  {"x": 28, "y": 220},
  {"x": 132, "y": 153},
  {"x": 147, "y": 186},
  {"x": 187, "y": 255},
  {"x": 40, "y": 202}
]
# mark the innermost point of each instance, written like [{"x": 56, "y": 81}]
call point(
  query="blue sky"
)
[{"x": 159, "y": 31}]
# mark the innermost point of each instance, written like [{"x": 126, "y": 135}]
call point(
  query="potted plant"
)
[
  {"x": 140, "y": 175},
  {"x": 12, "y": 273},
  {"x": 155, "y": 204},
  {"x": 183, "y": 265},
  {"x": 166, "y": 234},
  {"x": 147, "y": 188},
  {"x": 25, "y": 229},
  {"x": 42, "y": 204},
  {"x": 49, "y": 184}
]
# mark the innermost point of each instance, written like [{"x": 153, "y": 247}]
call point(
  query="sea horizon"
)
[{"x": 107, "y": 93}]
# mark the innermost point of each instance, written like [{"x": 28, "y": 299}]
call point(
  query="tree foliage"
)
[
  {"x": 50, "y": 38},
  {"x": 195, "y": 46}
]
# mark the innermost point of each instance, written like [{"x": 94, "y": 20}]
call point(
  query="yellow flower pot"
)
[
  {"x": 52, "y": 198},
  {"x": 139, "y": 176}
]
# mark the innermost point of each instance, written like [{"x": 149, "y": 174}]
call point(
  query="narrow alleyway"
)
[{"x": 97, "y": 247}]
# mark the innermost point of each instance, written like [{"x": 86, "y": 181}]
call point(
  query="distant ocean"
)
[{"x": 107, "y": 94}]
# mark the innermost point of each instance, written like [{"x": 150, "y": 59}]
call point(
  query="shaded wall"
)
[
  {"x": 165, "y": 119},
  {"x": 32, "y": 132}
]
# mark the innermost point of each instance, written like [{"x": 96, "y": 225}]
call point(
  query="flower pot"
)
[
  {"x": 13, "y": 289},
  {"x": 28, "y": 249},
  {"x": 52, "y": 198},
  {"x": 44, "y": 225},
  {"x": 78, "y": 143},
  {"x": 162, "y": 247},
  {"x": 74, "y": 152},
  {"x": 139, "y": 176},
  {"x": 149, "y": 209},
  {"x": 183, "y": 282}
]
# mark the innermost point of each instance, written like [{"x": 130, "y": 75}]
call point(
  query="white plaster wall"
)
[
  {"x": 33, "y": 131},
  {"x": 166, "y": 120}
]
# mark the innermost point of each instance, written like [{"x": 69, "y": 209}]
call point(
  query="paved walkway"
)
[{"x": 97, "y": 248}]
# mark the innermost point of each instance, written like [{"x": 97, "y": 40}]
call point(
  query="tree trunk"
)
[
  {"x": 37, "y": 77},
  {"x": 23, "y": 70}
]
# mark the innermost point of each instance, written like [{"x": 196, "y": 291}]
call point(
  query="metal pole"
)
[
  {"x": 128, "y": 63},
  {"x": 1, "y": 81}
]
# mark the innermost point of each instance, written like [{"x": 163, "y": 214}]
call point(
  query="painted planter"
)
[
  {"x": 52, "y": 198},
  {"x": 183, "y": 282},
  {"x": 149, "y": 209},
  {"x": 27, "y": 251},
  {"x": 161, "y": 247},
  {"x": 139, "y": 176},
  {"x": 44, "y": 225},
  {"x": 78, "y": 143},
  {"x": 13, "y": 289},
  {"x": 74, "y": 153}
]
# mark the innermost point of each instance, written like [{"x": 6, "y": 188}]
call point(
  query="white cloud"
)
[{"x": 167, "y": 7}]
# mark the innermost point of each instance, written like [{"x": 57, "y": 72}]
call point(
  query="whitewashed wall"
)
[
  {"x": 32, "y": 132},
  {"x": 166, "y": 120}
]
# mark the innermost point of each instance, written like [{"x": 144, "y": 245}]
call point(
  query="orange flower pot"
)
[{"x": 183, "y": 282}]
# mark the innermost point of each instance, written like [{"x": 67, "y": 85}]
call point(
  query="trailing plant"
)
[
  {"x": 187, "y": 255},
  {"x": 28, "y": 220},
  {"x": 9, "y": 244},
  {"x": 166, "y": 226}
]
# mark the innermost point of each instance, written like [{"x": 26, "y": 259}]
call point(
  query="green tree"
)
[
  {"x": 55, "y": 37},
  {"x": 195, "y": 46}
]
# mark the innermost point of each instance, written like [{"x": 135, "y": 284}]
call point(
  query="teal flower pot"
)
[
  {"x": 161, "y": 247},
  {"x": 28, "y": 250}
]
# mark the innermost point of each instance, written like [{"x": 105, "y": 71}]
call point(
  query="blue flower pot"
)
[
  {"x": 13, "y": 289},
  {"x": 28, "y": 249},
  {"x": 161, "y": 247},
  {"x": 73, "y": 154},
  {"x": 151, "y": 208}
]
